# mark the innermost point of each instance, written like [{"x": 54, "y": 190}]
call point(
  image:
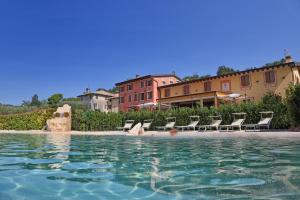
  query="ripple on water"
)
[{"x": 91, "y": 167}]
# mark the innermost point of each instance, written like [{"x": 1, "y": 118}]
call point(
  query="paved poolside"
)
[{"x": 207, "y": 134}]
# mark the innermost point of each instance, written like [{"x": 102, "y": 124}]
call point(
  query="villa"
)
[
  {"x": 247, "y": 85},
  {"x": 143, "y": 90},
  {"x": 102, "y": 100}
]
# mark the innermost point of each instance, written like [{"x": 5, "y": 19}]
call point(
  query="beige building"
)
[
  {"x": 100, "y": 100},
  {"x": 247, "y": 85}
]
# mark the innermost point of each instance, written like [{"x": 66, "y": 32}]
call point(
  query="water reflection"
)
[
  {"x": 61, "y": 148},
  {"x": 136, "y": 168}
]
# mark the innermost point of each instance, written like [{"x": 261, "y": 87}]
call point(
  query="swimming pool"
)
[{"x": 117, "y": 167}]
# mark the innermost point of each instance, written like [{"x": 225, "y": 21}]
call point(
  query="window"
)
[
  {"x": 129, "y": 87},
  {"x": 149, "y": 83},
  {"x": 164, "y": 83},
  {"x": 121, "y": 99},
  {"x": 142, "y": 96},
  {"x": 245, "y": 80},
  {"x": 95, "y": 106},
  {"x": 129, "y": 98},
  {"x": 186, "y": 89},
  {"x": 270, "y": 77},
  {"x": 167, "y": 92},
  {"x": 135, "y": 97},
  {"x": 122, "y": 89},
  {"x": 207, "y": 86},
  {"x": 149, "y": 95},
  {"x": 225, "y": 86},
  {"x": 142, "y": 84},
  {"x": 171, "y": 82}
]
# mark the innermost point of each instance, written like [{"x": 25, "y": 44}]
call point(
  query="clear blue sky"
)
[{"x": 65, "y": 46}]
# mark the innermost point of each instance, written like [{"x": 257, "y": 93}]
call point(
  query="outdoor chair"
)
[
  {"x": 194, "y": 121},
  {"x": 147, "y": 124},
  {"x": 171, "y": 121},
  {"x": 127, "y": 126},
  {"x": 265, "y": 121},
  {"x": 215, "y": 123},
  {"x": 238, "y": 120}
]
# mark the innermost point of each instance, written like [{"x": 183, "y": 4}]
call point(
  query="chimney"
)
[
  {"x": 287, "y": 57},
  {"x": 87, "y": 90}
]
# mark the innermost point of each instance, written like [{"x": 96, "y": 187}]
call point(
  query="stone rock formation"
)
[
  {"x": 61, "y": 121},
  {"x": 137, "y": 130}
]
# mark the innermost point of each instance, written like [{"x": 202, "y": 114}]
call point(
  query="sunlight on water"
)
[{"x": 115, "y": 167}]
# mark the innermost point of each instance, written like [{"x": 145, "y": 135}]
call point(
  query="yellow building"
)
[{"x": 248, "y": 85}]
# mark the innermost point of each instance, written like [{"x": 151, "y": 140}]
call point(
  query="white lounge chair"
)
[
  {"x": 147, "y": 124},
  {"x": 194, "y": 121},
  {"x": 171, "y": 121},
  {"x": 265, "y": 121},
  {"x": 127, "y": 126},
  {"x": 238, "y": 120},
  {"x": 215, "y": 123}
]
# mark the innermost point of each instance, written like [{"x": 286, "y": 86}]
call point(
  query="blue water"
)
[{"x": 39, "y": 167}]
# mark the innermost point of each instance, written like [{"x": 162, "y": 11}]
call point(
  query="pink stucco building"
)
[{"x": 142, "y": 89}]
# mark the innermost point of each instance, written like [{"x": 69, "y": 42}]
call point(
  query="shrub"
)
[
  {"x": 26, "y": 121},
  {"x": 293, "y": 104},
  {"x": 273, "y": 102}
]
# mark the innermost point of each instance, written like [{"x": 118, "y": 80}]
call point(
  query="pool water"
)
[{"x": 39, "y": 167}]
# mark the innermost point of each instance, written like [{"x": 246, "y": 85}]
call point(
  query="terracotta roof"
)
[
  {"x": 147, "y": 76},
  {"x": 291, "y": 64},
  {"x": 100, "y": 93}
]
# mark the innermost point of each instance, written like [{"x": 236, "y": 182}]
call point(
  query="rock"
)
[
  {"x": 61, "y": 121},
  {"x": 136, "y": 129}
]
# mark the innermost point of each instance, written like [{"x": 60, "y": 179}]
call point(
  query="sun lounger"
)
[
  {"x": 215, "y": 123},
  {"x": 127, "y": 126},
  {"x": 238, "y": 120},
  {"x": 194, "y": 120},
  {"x": 147, "y": 124},
  {"x": 265, "y": 121},
  {"x": 171, "y": 121}
]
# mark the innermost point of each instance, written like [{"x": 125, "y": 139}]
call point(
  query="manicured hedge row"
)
[
  {"x": 95, "y": 120},
  {"x": 26, "y": 121}
]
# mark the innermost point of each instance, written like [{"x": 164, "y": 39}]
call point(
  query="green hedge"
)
[
  {"x": 97, "y": 121},
  {"x": 26, "y": 121},
  {"x": 83, "y": 120}
]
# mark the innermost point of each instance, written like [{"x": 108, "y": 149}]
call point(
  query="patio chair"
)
[
  {"x": 265, "y": 121},
  {"x": 127, "y": 126},
  {"x": 215, "y": 123},
  {"x": 194, "y": 120},
  {"x": 147, "y": 124},
  {"x": 238, "y": 120},
  {"x": 171, "y": 121}
]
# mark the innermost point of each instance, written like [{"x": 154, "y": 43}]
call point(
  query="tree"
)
[
  {"x": 293, "y": 104},
  {"x": 277, "y": 62},
  {"x": 55, "y": 99},
  {"x": 113, "y": 90},
  {"x": 72, "y": 99},
  {"x": 194, "y": 77},
  {"x": 25, "y": 103},
  {"x": 35, "y": 100},
  {"x": 222, "y": 70}
]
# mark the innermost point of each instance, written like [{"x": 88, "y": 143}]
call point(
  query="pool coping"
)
[{"x": 188, "y": 134}]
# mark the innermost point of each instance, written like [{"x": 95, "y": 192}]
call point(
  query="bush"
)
[
  {"x": 95, "y": 120},
  {"x": 293, "y": 104},
  {"x": 86, "y": 120},
  {"x": 26, "y": 121},
  {"x": 273, "y": 102}
]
